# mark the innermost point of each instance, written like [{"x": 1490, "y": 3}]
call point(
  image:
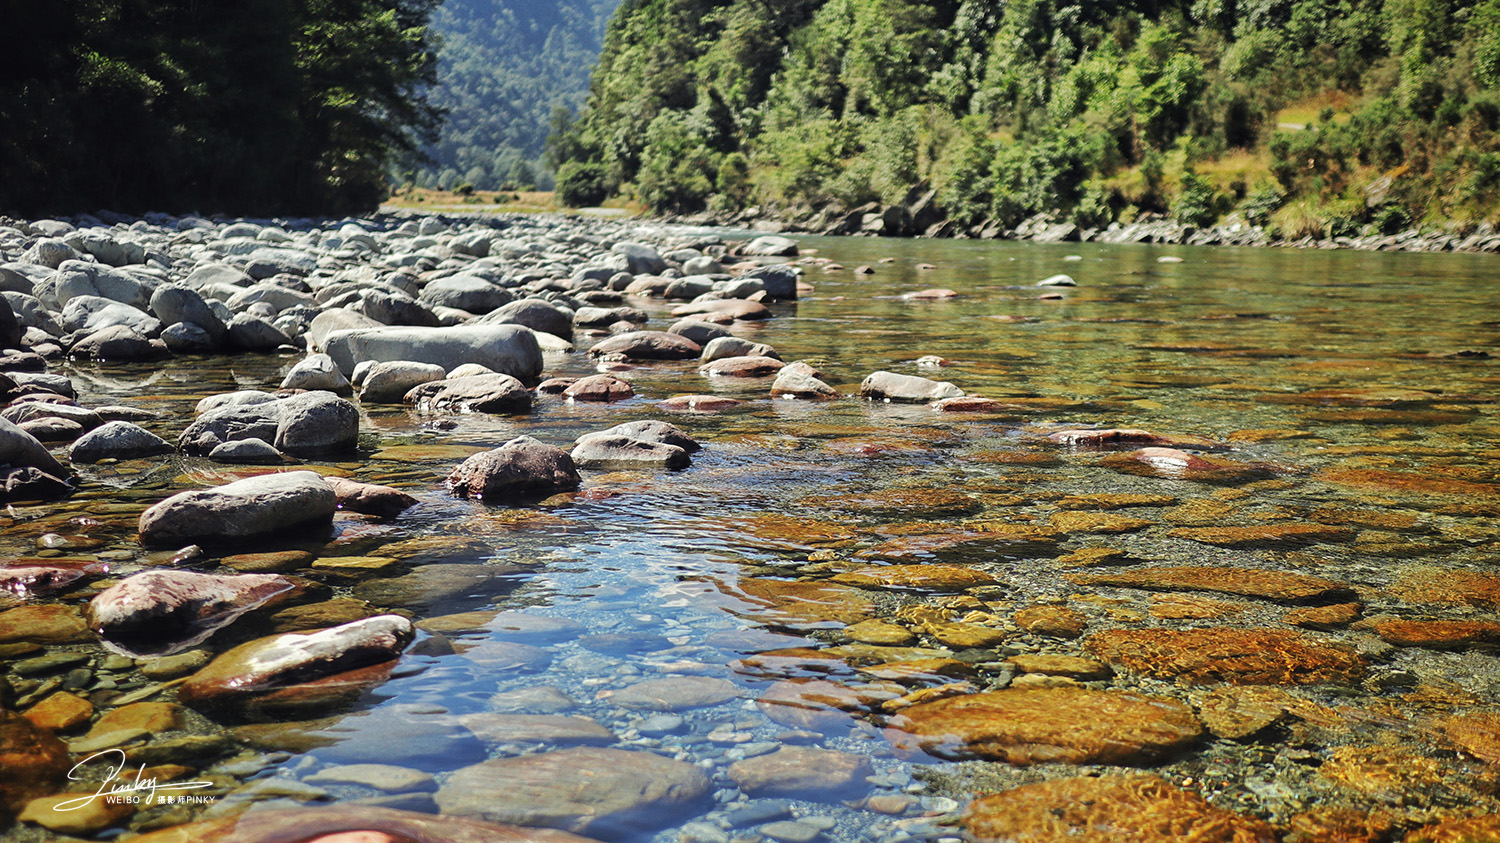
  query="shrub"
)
[{"x": 582, "y": 184}]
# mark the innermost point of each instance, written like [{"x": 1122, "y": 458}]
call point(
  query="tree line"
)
[
  {"x": 1312, "y": 116},
  {"x": 239, "y": 106}
]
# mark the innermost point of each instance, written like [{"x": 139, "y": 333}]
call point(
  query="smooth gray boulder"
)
[
  {"x": 278, "y": 297},
  {"x": 779, "y": 280},
  {"x": 94, "y": 313},
  {"x": 226, "y": 399},
  {"x": 770, "y": 246},
  {"x": 31, "y": 313},
  {"x": 247, "y": 452},
  {"x": 49, "y": 252},
  {"x": 19, "y": 449},
  {"x": 648, "y": 345},
  {"x": 522, "y": 467},
  {"x": 508, "y": 349},
  {"x": 79, "y": 278},
  {"x": 336, "y": 319},
  {"x": 721, "y": 347},
  {"x": 603, "y": 317},
  {"x": 314, "y": 372},
  {"x": 642, "y": 258},
  {"x": 604, "y": 450},
  {"x": 119, "y": 342},
  {"x": 269, "y": 261},
  {"x": 249, "y": 508},
  {"x": 188, "y": 338},
  {"x": 794, "y": 382},
  {"x": 389, "y": 307},
  {"x": 536, "y": 314},
  {"x": 107, "y": 248},
  {"x": 653, "y": 430},
  {"x": 316, "y": 424},
  {"x": 118, "y": 440},
  {"x": 176, "y": 303},
  {"x": 217, "y": 274},
  {"x": 465, "y": 292},
  {"x": 889, "y": 386},
  {"x": 702, "y": 265},
  {"x": 700, "y": 332},
  {"x": 388, "y": 383}
]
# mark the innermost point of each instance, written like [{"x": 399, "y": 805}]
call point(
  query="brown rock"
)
[
  {"x": 1446, "y": 586},
  {"x": 1054, "y": 621},
  {"x": 1382, "y": 771},
  {"x": 521, "y": 467},
  {"x": 648, "y": 345},
  {"x": 1439, "y": 635},
  {"x": 1237, "y": 712},
  {"x": 1266, "y": 584},
  {"x": 33, "y": 763},
  {"x": 275, "y": 562},
  {"x": 1481, "y": 829},
  {"x": 1477, "y": 733},
  {"x": 1114, "y": 501},
  {"x": 351, "y": 823},
  {"x": 1075, "y": 667},
  {"x": 880, "y": 632},
  {"x": 1336, "y": 616},
  {"x": 1192, "y": 607},
  {"x": 1173, "y": 464},
  {"x": 599, "y": 388},
  {"x": 914, "y": 501},
  {"x": 61, "y": 712},
  {"x": 44, "y": 624},
  {"x": 968, "y": 404},
  {"x": 147, "y": 716},
  {"x": 797, "y": 603},
  {"x": 1386, "y": 482},
  {"x": 1265, "y": 535},
  {"x": 1097, "y": 522},
  {"x": 1129, "y": 438},
  {"x": 964, "y": 636},
  {"x": 1137, "y": 808},
  {"x": 1238, "y": 656},
  {"x": 611, "y": 792},
  {"x": 742, "y": 367},
  {"x": 1340, "y": 825},
  {"x": 801, "y": 772},
  {"x": 78, "y": 814},
  {"x": 918, "y": 577},
  {"x": 698, "y": 404},
  {"x": 369, "y": 498},
  {"x": 1046, "y": 725},
  {"x": 821, "y": 705}
]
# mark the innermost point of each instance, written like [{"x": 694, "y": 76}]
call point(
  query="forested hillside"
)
[
  {"x": 504, "y": 68},
  {"x": 247, "y": 107},
  {"x": 1313, "y": 116}
]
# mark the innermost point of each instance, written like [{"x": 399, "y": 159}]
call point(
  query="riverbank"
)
[{"x": 916, "y": 219}]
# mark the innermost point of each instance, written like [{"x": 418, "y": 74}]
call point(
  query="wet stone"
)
[
  {"x": 1238, "y": 656},
  {"x": 609, "y": 792},
  {"x": 801, "y": 772},
  {"x": 268, "y": 563},
  {"x": 1335, "y": 616},
  {"x": 551, "y": 729},
  {"x": 1140, "y": 808},
  {"x": 171, "y": 667},
  {"x": 1265, "y": 535},
  {"x": 918, "y": 577},
  {"x": 79, "y": 814},
  {"x": 1047, "y": 725},
  {"x": 1098, "y": 522},
  {"x": 1439, "y": 634},
  {"x": 1075, "y": 667},
  {"x": 1467, "y": 830},
  {"x": 1052, "y": 621},
  {"x": 33, "y": 763},
  {"x": 432, "y": 585},
  {"x": 386, "y": 777},
  {"x": 44, "y": 624},
  {"x": 543, "y": 699},
  {"x": 820, "y": 705},
  {"x": 61, "y": 712},
  {"x": 1192, "y": 607},
  {"x": 880, "y": 632},
  {"x": 676, "y": 693},
  {"x": 1266, "y": 584},
  {"x": 1476, "y": 733},
  {"x": 1106, "y": 501}
]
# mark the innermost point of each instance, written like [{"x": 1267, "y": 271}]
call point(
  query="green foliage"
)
[
  {"x": 258, "y": 106},
  {"x": 581, "y": 184},
  {"x": 1095, "y": 111}
]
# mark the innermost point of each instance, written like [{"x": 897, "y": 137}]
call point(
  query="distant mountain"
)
[{"x": 505, "y": 65}]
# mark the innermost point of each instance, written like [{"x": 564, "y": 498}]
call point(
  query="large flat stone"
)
[
  {"x": 1050, "y": 725},
  {"x": 255, "y": 506},
  {"x": 1279, "y": 586},
  {"x": 508, "y": 349},
  {"x": 1238, "y": 656}
]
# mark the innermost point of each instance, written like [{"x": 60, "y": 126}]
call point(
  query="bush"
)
[
  {"x": 1197, "y": 202},
  {"x": 582, "y": 184}
]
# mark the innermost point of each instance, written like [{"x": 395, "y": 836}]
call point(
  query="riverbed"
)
[{"x": 753, "y": 606}]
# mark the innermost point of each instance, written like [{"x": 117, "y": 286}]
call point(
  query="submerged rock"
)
[
  {"x": 889, "y": 386},
  {"x": 1050, "y": 725},
  {"x": 490, "y": 393},
  {"x": 35, "y": 763},
  {"x": 1138, "y": 807},
  {"x": 610, "y": 792},
  {"x": 353, "y": 823},
  {"x": 253, "y": 507},
  {"x": 158, "y": 613},
  {"x": 1240, "y": 656},
  {"x": 369, "y": 498},
  {"x": 118, "y": 440}
]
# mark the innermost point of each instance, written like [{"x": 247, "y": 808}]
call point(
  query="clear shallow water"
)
[{"x": 1315, "y": 365}]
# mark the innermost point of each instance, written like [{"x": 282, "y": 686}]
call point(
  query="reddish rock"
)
[
  {"x": 801, "y": 773},
  {"x": 1336, "y": 616},
  {"x": 698, "y": 404},
  {"x": 1476, "y": 733},
  {"x": 1050, "y": 725},
  {"x": 733, "y": 308},
  {"x": 599, "y": 388},
  {"x": 1481, "y": 829},
  {"x": 1385, "y": 482},
  {"x": 1052, "y": 621},
  {"x": 1108, "y": 523},
  {"x": 1439, "y": 635},
  {"x": 1246, "y": 582},
  {"x": 742, "y": 367},
  {"x": 1174, "y": 464},
  {"x": 33, "y": 763},
  {"x": 934, "y": 294},
  {"x": 1136, "y": 808},
  {"x": 1238, "y": 656},
  {"x": 1340, "y": 825},
  {"x": 918, "y": 577},
  {"x": 1130, "y": 438},
  {"x": 968, "y": 404},
  {"x": 648, "y": 345},
  {"x": 821, "y": 705},
  {"x": 369, "y": 498}
]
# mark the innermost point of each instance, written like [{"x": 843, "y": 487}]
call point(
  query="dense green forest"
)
[
  {"x": 1313, "y": 116},
  {"x": 505, "y": 68},
  {"x": 244, "y": 106}
]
